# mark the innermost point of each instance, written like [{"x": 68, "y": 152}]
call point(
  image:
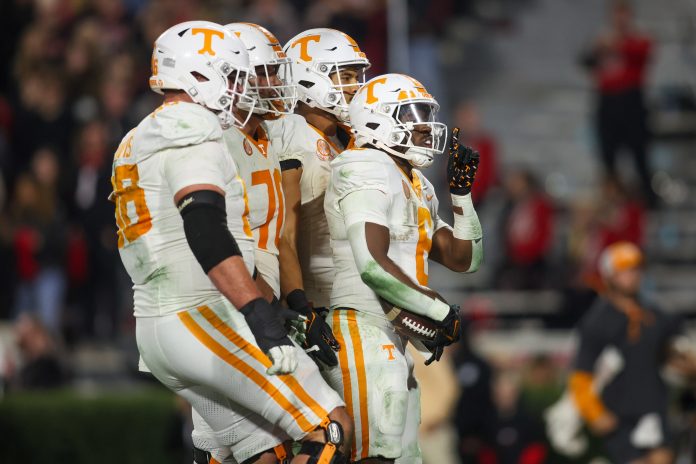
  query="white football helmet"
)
[
  {"x": 208, "y": 63},
  {"x": 273, "y": 98},
  {"x": 388, "y": 109},
  {"x": 315, "y": 55}
]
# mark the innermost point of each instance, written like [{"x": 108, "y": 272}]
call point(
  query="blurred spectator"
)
[
  {"x": 93, "y": 270},
  {"x": 611, "y": 217},
  {"x": 541, "y": 383},
  {"x": 38, "y": 221},
  {"x": 472, "y": 134},
  {"x": 474, "y": 412},
  {"x": 528, "y": 233},
  {"x": 41, "y": 116},
  {"x": 363, "y": 20},
  {"x": 622, "y": 217},
  {"x": 39, "y": 365},
  {"x": 516, "y": 437},
  {"x": 631, "y": 411},
  {"x": 438, "y": 392},
  {"x": 618, "y": 62},
  {"x": 275, "y": 15}
]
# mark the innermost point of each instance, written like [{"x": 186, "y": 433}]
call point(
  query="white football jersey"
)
[
  {"x": 177, "y": 145},
  {"x": 258, "y": 165},
  {"x": 412, "y": 221},
  {"x": 297, "y": 140}
]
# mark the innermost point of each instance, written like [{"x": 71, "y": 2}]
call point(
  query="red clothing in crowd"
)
[
  {"x": 530, "y": 230},
  {"x": 487, "y": 173},
  {"x": 627, "y": 225},
  {"x": 623, "y": 68}
]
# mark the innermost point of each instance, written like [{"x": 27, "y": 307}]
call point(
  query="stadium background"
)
[{"x": 509, "y": 72}]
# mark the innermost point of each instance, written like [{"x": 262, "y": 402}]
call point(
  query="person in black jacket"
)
[{"x": 630, "y": 413}]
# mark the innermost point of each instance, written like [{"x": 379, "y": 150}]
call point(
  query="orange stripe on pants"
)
[
  {"x": 362, "y": 382},
  {"x": 227, "y": 356},
  {"x": 345, "y": 371},
  {"x": 256, "y": 353}
]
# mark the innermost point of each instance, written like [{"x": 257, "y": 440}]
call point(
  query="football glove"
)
[
  {"x": 319, "y": 342},
  {"x": 449, "y": 332},
  {"x": 268, "y": 328},
  {"x": 461, "y": 166}
]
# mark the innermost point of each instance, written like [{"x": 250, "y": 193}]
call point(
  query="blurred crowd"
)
[{"x": 76, "y": 82}]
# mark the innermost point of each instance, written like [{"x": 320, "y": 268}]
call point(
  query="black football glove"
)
[
  {"x": 320, "y": 342},
  {"x": 268, "y": 328},
  {"x": 448, "y": 333},
  {"x": 461, "y": 166}
]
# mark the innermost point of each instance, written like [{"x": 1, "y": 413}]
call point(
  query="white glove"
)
[{"x": 284, "y": 359}]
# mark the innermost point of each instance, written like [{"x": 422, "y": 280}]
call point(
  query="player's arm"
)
[
  {"x": 318, "y": 333},
  {"x": 196, "y": 176},
  {"x": 365, "y": 216},
  {"x": 290, "y": 271},
  {"x": 582, "y": 382},
  {"x": 263, "y": 287},
  {"x": 460, "y": 248}
]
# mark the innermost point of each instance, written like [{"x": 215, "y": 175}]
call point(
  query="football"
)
[{"x": 409, "y": 324}]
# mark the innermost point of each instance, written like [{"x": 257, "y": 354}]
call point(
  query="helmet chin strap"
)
[{"x": 414, "y": 156}]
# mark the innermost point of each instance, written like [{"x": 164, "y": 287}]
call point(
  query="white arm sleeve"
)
[
  {"x": 206, "y": 163},
  {"x": 468, "y": 227},
  {"x": 372, "y": 206}
]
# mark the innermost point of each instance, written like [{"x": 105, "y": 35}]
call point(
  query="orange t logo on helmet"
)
[
  {"x": 207, "y": 39},
  {"x": 355, "y": 45},
  {"x": 304, "y": 41},
  {"x": 370, "y": 89}
]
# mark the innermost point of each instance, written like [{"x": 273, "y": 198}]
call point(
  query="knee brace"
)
[
  {"x": 327, "y": 452},
  {"x": 201, "y": 456},
  {"x": 280, "y": 452}
]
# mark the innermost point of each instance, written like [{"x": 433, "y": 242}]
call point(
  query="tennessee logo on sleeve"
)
[{"x": 323, "y": 150}]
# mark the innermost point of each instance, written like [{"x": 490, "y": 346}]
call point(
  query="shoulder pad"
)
[{"x": 178, "y": 125}]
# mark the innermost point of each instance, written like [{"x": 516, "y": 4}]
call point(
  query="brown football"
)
[{"x": 409, "y": 324}]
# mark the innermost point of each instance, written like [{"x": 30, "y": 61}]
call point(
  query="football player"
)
[
  {"x": 382, "y": 216},
  {"x": 327, "y": 67},
  {"x": 202, "y": 326}
]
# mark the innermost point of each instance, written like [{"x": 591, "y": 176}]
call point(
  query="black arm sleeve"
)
[
  {"x": 205, "y": 225},
  {"x": 290, "y": 164}
]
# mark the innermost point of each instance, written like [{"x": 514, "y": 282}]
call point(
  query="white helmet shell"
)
[
  {"x": 265, "y": 51},
  {"x": 200, "y": 57},
  {"x": 385, "y": 112},
  {"x": 315, "y": 55}
]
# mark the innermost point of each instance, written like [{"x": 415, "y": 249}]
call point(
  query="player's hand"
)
[
  {"x": 284, "y": 359},
  {"x": 450, "y": 327},
  {"x": 320, "y": 342},
  {"x": 435, "y": 350},
  {"x": 448, "y": 333},
  {"x": 461, "y": 166},
  {"x": 604, "y": 424},
  {"x": 271, "y": 336}
]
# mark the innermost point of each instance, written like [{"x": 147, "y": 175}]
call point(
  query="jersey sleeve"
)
[
  {"x": 360, "y": 175},
  {"x": 286, "y": 136},
  {"x": 365, "y": 206},
  {"x": 207, "y": 163},
  {"x": 592, "y": 343}
]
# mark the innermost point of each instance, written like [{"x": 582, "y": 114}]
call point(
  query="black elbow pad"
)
[{"x": 205, "y": 226}]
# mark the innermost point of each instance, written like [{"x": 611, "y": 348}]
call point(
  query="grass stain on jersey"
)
[
  {"x": 183, "y": 125},
  {"x": 383, "y": 283},
  {"x": 160, "y": 274},
  {"x": 345, "y": 172}
]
